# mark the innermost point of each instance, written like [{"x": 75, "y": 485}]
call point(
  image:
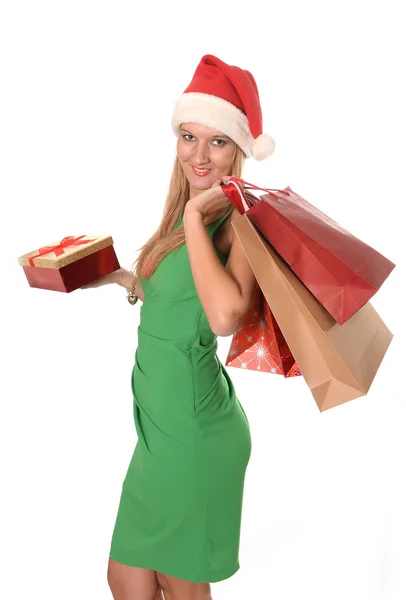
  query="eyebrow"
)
[{"x": 213, "y": 136}]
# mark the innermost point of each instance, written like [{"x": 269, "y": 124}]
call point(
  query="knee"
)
[
  {"x": 131, "y": 583},
  {"x": 117, "y": 582},
  {"x": 180, "y": 589},
  {"x": 113, "y": 580}
]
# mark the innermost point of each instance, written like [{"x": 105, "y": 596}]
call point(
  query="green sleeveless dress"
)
[{"x": 181, "y": 500}]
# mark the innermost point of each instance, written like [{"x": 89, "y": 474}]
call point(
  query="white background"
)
[{"x": 87, "y": 90}]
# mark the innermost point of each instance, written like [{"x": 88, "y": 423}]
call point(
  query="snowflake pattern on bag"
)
[{"x": 259, "y": 344}]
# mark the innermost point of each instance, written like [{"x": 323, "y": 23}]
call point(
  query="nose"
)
[{"x": 201, "y": 154}]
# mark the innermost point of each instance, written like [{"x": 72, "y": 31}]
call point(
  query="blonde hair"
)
[{"x": 164, "y": 240}]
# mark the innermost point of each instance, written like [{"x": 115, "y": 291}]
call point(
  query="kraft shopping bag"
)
[
  {"x": 338, "y": 362},
  {"x": 339, "y": 269}
]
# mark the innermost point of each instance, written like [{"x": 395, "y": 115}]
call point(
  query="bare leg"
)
[
  {"x": 132, "y": 583},
  {"x": 180, "y": 589},
  {"x": 159, "y": 593}
]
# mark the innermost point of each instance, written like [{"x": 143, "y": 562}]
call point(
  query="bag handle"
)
[{"x": 241, "y": 185}]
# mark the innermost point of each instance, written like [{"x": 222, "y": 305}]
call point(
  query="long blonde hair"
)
[{"x": 164, "y": 240}]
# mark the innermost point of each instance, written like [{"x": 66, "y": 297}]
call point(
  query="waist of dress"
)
[{"x": 183, "y": 343}]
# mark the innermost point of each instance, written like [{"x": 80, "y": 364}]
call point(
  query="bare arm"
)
[
  {"x": 225, "y": 292},
  {"x": 122, "y": 277},
  {"x": 125, "y": 278}
]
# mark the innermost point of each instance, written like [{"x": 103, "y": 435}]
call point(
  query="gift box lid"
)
[{"x": 65, "y": 251}]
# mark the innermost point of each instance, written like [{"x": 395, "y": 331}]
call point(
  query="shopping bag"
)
[
  {"x": 259, "y": 344},
  {"x": 338, "y": 362},
  {"x": 339, "y": 269}
]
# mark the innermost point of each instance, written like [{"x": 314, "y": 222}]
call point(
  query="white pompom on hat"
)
[{"x": 225, "y": 98}]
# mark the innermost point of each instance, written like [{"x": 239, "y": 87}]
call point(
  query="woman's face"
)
[{"x": 205, "y": 155}]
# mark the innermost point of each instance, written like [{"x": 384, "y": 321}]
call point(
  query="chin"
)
[{"x": 201, "y": 183}]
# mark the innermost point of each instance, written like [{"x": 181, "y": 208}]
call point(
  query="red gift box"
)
[{"x": 70, "y": 263}]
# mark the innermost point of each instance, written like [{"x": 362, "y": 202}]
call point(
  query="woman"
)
[{"x": 178, "y": 521}]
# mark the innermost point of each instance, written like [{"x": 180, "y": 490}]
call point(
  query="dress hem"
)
[{"x": 208, "y": 577}]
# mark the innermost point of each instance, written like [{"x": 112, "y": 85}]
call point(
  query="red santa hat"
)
[{"x": 225, "y": 98}]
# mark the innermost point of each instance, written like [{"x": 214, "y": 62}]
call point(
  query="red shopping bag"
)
[
  {"x": 338, "y": 362},
  {"x": 340, "y": 270},
  {"x": 259, "y": 345}
]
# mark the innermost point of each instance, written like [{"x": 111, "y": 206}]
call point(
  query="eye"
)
[
  {"x": 220, "y": 143},
  {"x": 187, "y": 136}
]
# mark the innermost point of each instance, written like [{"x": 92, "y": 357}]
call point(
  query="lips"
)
[{"x": 200, "y": 172}]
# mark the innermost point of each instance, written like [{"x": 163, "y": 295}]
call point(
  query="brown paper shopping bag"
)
[{"x": 338, "y": 362}]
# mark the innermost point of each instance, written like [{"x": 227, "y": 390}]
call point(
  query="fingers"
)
[
  {"x": 92, "y": 284},
  {"x": 87, "y": 286}
]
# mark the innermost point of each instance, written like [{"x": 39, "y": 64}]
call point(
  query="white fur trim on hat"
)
[{"x": 214, "y": 112}]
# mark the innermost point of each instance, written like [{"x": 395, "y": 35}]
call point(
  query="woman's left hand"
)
[{"x": 211, "y": 200}]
